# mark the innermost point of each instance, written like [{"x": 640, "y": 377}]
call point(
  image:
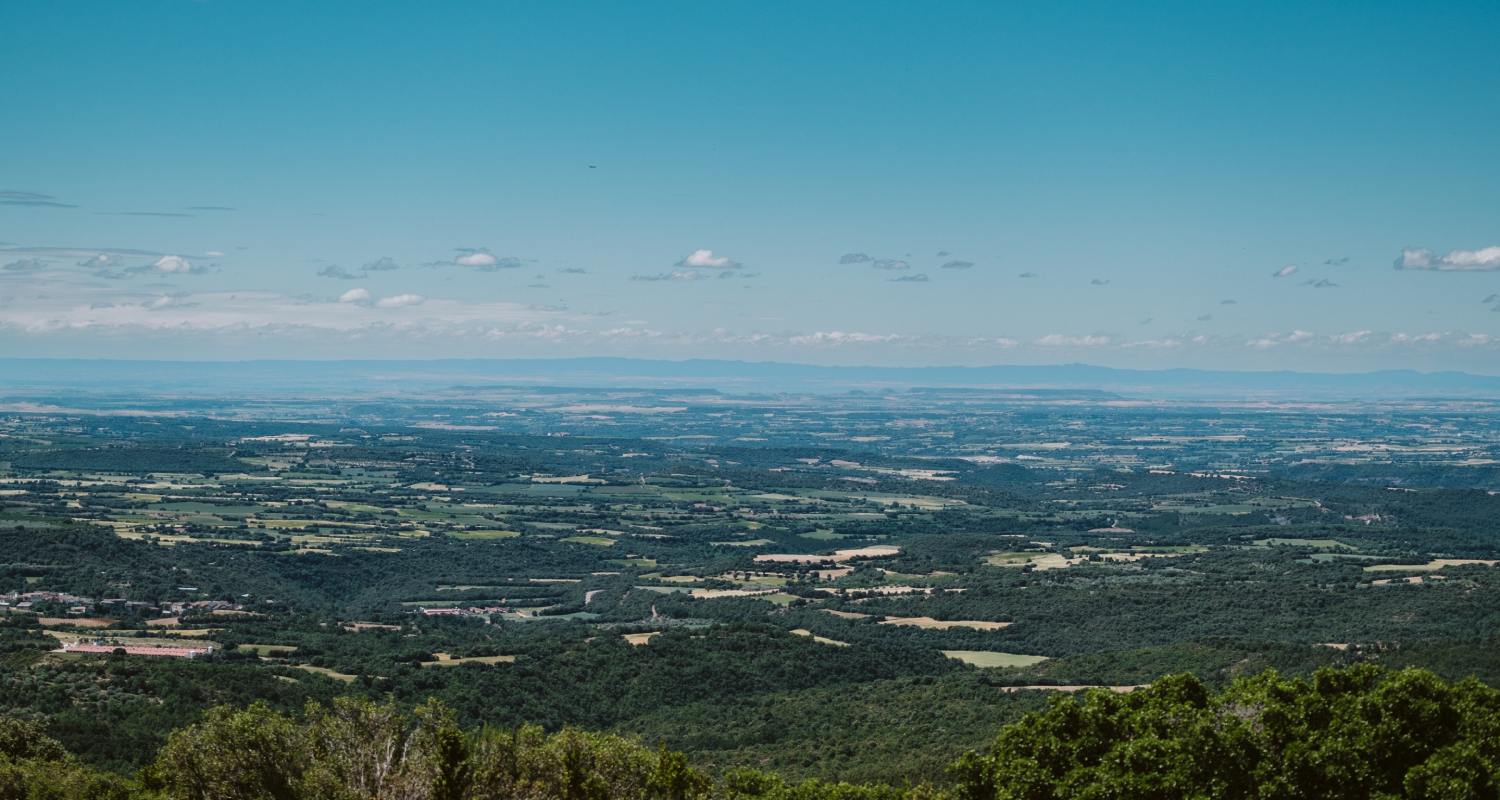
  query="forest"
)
[{"x": 1356, "y": 732}]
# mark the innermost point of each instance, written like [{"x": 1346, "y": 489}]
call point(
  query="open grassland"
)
[
  {"x": 483, "y": 534},
  {"x": 447, "y": 660},
  {"x": 268, "y": 649},
  {"x": 1037, "y": 561},
  {"x": 817, "y": 638},
  {"x": 929, "y": 623},
  {"x": 1318, "y": 544},
  {"x": 325, "y": 672},
  {"x": 596, "y": 541},
  {"x": 990, "y": 658}
]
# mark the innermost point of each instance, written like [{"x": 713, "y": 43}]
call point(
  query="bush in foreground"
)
[{"x": 1359, "y": 732}]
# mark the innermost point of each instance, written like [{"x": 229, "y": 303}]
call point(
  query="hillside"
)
[{"x": 1358, "y": 732}]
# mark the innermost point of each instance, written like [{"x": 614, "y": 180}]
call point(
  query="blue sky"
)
[{"x": 879, "y": 183}]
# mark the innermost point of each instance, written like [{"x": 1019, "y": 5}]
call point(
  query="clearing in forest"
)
[
  {"x": 448, "y": 660},
  {"x": 945, "y": 624},
  {"x": 992, "y": 658},
  {"x": 817, "y": 638}
]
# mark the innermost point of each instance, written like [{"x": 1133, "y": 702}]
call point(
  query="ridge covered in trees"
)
[{"x": 1355, "y": 732}]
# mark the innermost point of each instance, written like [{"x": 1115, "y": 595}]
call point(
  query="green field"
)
[
  {"x": 597, "y": 541},
  {"x": 483, "y": 534}
]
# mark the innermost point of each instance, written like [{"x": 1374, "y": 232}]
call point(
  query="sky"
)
[{"x": 1269, "y": 185}]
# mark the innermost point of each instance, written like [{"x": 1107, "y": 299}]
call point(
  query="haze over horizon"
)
[
  {"x": 27, "y": 379},
  {"x": 1241, "y": 187}
]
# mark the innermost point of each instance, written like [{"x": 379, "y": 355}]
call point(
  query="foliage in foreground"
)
[
  {"x": 1360, "y": 732},
  {"x": 35, "y": 767}
]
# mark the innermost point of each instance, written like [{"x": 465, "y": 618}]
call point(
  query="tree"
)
[
  {"x": 250, "y": 754},
  {"x": 1358, "y": 732}
]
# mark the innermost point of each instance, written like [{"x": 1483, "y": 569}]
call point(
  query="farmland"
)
[{"x": 552, "y": 556}]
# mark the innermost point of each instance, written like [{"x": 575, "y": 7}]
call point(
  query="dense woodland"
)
[{"x": 1358, "y": 732}]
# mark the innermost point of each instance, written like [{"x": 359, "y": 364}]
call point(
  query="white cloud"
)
[
  {"x": 478, "y": 258},
  {"x": 843, "y": 337},
  {"x": 400, "y": 301},
  {"x": 1060, "y": 340},
  {"x": 1001, "y": 342},
  {"x": 117, "y": 312},
  {"x": 1404, "y": 338},
  {"x": 164, "y": 301},
  {"x": 1273, "y": 339},
  {"x": 1483, "y": 260},
  {"x": 704, "y": 258},
  {"x": 1289, "y": 269},
  {"x": 214, "y": 253},
  {"x": 175, "y": 264},
  {"x": 109, "y": 311}
]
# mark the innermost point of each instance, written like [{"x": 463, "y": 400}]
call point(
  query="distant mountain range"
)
[{"x": 28, "y": 376}]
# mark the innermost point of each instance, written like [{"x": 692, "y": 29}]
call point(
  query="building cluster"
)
[
  {"x": 77, "y": 605},
  {"x": 23, "y": 601},
  {"x": 209, "y": 606},
  {"x": 470, "y": 611}
]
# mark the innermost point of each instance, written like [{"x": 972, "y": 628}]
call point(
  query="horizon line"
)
[{"x": 745, "y": 362}]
